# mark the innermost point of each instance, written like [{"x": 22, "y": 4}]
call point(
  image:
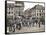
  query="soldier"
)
[
  {"x": 10, "y": 27},
  {"x": 18, "y": 26},
  {"x": 13, "y": 28},
  {"x": 30, "y": 23},
  {"x": 39, "y": 24}
]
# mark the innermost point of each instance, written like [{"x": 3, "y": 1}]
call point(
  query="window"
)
[
  {"x": 40, "y": 14},
  {"x": 9, "y": 8},
  {"x": 40, "y": 11},
  {"x": 37, "y": 14},
  {"x": 9, "y": 12}
]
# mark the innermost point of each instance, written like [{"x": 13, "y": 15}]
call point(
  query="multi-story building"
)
[
  {"x": 10, "y": 11},
  {"x": 40, "y": 11},
  {"x": 37, "y": 12},
  {"x": 30, "y": 13},
  {"x": 33, "y": 13},
  {"x": 19, "y": 7},
  {"x": 15, "y": 9},
  {"x": 27, "y": 13}
]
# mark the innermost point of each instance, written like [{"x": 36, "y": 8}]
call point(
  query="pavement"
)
[{"x": 30, "y": 29}]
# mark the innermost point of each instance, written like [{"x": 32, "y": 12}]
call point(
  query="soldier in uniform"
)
[{"x": 18, "y": 26}]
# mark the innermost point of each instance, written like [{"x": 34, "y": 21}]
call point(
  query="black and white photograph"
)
[{"x": 24, "y": 17}]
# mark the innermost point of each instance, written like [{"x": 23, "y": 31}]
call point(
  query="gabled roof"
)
[{"x": 39, "y": 7}]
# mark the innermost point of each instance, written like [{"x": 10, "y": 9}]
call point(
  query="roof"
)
[{"x": 40, "y": 7}]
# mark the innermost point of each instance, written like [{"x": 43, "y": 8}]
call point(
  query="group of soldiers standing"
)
[{"x": 19, "y": 23}]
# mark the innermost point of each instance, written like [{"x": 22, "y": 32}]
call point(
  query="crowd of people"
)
[{"x": 22, "y": 22}]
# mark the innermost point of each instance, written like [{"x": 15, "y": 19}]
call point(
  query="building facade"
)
[
  {"x": 36, "y": 12},
  {"x": 40, "y": 11},
  {"x": 10, "y": 11},
  {"x": 19, "y": 7},
  {"x": 15, "y": 9}
]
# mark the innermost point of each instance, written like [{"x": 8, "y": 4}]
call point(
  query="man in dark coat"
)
[{"x": 18, "y": 26}]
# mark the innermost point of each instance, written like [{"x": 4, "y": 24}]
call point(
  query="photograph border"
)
[{"x": 6, "y": 18}]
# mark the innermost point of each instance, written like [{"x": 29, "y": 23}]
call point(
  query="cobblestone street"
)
[{"x": 31, "y": 29}]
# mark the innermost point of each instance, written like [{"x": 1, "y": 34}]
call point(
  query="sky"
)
[{"x": 28, "y": 5}]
